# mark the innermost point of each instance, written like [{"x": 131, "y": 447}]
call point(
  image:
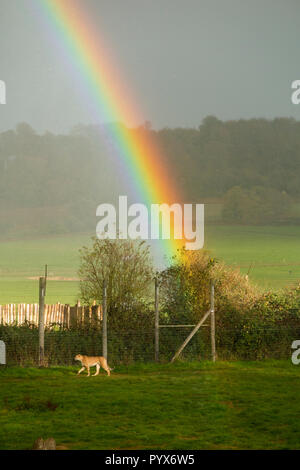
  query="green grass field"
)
[
  {"x": 22, "y": 260},
  {"x": 272, "y": 252},
  {"x": 239, "y": 405}
]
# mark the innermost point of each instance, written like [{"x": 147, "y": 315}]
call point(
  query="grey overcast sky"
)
[{"x": 182, "y": 59}]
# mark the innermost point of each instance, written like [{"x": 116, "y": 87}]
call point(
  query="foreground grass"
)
[{"x": 240, "y": 405}]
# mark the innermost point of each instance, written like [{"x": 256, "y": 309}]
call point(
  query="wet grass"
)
[{"x": 227, "y": 405}]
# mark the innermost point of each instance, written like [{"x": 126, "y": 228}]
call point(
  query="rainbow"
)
[{"x": 84, "y": 49}]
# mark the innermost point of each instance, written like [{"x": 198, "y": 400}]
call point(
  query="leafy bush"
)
[{"x": 249, "y": 324}]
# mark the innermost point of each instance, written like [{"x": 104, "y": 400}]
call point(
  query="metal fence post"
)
[
  {"x": 104, "y": 321},
  {"x": 156, "y": 321},
  {"x": 42, "y": 290},
  {"x": 212, "y": 322},
  {"x": 2, "y": 352}
]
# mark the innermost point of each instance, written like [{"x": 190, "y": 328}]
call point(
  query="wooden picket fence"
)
[{"x": 58, "y": 314}]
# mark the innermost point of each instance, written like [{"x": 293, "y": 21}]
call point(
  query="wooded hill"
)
[{"x": 53, "y": 183}]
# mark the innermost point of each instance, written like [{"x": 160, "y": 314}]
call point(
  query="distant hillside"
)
[{"x": 53, "y": 183}]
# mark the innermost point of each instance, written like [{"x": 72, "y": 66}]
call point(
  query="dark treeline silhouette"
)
[{"x": 53, "y": 183}]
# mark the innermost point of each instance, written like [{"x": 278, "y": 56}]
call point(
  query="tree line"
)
[{"x": 53, "y": 183}]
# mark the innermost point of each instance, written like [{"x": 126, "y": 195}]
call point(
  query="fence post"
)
[
  {"x": 212, "y": 321},
  {"x": 2, "y": 352},
  {"x": 42, "y": 290},
  {"x": 104, "y": 321},
  {"x": 156, "y": 321}
]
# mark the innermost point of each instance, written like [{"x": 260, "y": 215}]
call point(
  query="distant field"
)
[
  {"x": 21, "y": 260},
  {"x": 198, "y": 405},
  {"x": 271, "y": 253}
]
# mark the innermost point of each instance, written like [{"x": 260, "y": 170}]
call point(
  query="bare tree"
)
[{"x": 127, "y": 267}]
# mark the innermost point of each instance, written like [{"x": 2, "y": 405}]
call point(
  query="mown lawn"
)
[{"x": 237, "y": 405}]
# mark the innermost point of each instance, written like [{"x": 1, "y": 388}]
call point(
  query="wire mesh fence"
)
[
  {"x": 128, "y": 345},
  {"x": 131, "y": 334}
]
